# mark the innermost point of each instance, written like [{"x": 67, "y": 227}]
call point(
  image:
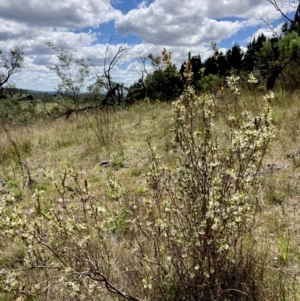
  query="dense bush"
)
[{"x": 163, "y": 85}]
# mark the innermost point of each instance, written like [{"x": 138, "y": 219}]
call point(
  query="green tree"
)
[
  {"x": 211, "y": 66},
  {"x": 210, "y": 83},
  {"x": 164, "y": 83},
  {"x": 10, "y": 63},
  {"x": 273, "y": 59},
  {"x": 276, "y": 55},
  {"x": 234, "y": 57},
  {"x": 216, "y": 64},
  {"x": 222, "y": 65},
  {"x": 136, "y": 92},
  {"x": 96, "y": 90},
  {"x": 195, "y": 64},
  {"x": 289, "y": 48},
  {"x": 253, "y": 48},
  {"x": 269, "y": 62}
]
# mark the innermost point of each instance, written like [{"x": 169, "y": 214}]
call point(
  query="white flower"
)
[
  {"x": 269, "y": 96},
  {"x": 252, "y": 79},
  {"x": 236, "y": 91},
  {"x": 147, "y": 283},
  {"x": 232, "y": 82}
]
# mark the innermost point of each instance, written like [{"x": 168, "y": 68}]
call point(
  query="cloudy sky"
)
[{"x": 142, "y": 26}]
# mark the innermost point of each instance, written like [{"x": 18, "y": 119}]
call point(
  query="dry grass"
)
[{"x": 84, "y": 142}]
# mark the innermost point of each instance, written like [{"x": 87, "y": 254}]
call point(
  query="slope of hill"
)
[{"x": 98, "y": 164}]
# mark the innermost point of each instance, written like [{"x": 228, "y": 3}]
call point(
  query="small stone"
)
[
  {"x": 2, "y": 183},
  {"x": 104, "y": 164}
]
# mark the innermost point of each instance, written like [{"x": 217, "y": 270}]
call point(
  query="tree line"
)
[{"x": 268, "y": 57}]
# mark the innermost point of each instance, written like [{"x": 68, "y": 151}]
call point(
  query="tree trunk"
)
[{"x": 271, "y": 79}]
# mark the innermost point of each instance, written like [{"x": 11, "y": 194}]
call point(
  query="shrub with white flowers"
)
[{"x": 189, "y": 234}]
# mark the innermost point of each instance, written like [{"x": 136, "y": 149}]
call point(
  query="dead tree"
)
[{"x": 114, "y": 90}]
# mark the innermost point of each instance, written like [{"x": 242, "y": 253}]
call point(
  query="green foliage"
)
[
  {"x": 253, "y": 48},
  {"x": 276, "y": 55},
  {"x": 163, "y": 84},
  {"x": 276, "y": 197},
  {"x": 210, "y": 83},
  {"x": 211, "y": 66},
  {"x": 289, "y": 47},
  {"x": 283, "y": 246},
  {"x": 118, "y": 161},
  {"x": 96, "y": 89},
  {"x": 16, "y": 111},
  {"x": 269, "y": 62},
  {"x": 270, "y": 57},
  {"x": 136, "y": 92},
  {"x": 216, "y": 65},
  {"x": 196, "y": 67},
  {"x": 234, "y": 57}
]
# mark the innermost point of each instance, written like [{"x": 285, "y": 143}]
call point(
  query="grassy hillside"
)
[{"x": 63, "y": 163}]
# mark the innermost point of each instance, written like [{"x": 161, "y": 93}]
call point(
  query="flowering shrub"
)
[
  {"x": 188, "y": 235},
  {"x": 185, "y": 241}
]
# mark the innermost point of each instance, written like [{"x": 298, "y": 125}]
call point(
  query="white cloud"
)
[
  {"x": 268, "y": 32},
  {"x": 58, "y": 13},
  {"x": 190, "y": 22},
  {"x": 178, "y": 25}
]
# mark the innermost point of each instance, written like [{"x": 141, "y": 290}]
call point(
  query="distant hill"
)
[
  {"x": 40, "y": 92},
  {"x": 10, "y": 92}
]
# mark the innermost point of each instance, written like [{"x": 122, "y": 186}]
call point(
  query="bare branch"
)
[
  {"x": 114, "y": 90},
  {"x": 268, "y": 25},
  {"x": 110, "y": 63},
  {"x": 73, "y": 72},
  {"x": 98, "y": 276},
  {"x": 279, "y": 9}
]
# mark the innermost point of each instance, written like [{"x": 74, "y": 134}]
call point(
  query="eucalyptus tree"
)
[
  {"x": 10, "y": 63},
  {"x": 73, "y": 71}
]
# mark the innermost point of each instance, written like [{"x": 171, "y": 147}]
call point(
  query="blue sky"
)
[{"x": 147, "y": 26}]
